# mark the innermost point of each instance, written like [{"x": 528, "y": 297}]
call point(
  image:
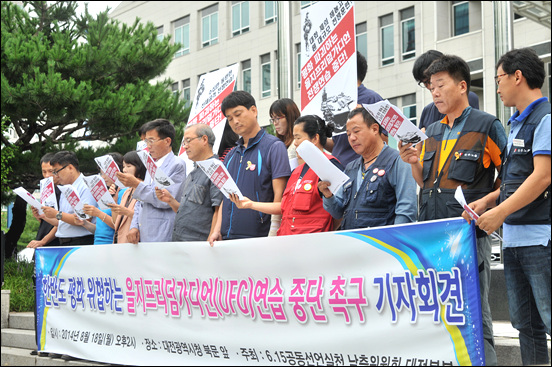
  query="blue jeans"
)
[{"x": 527, "y": 274}]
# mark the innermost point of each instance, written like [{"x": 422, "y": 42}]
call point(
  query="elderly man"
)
[
  {"x": 380, "y": 190},
  {"x": 153, "y": 221},
  {"x": 197, "y": 211}
]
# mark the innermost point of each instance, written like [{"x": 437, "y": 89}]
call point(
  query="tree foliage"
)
[{"x": 68, "y": 79}]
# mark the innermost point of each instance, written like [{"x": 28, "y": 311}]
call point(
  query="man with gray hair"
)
[{"x": 197, "y": 212}]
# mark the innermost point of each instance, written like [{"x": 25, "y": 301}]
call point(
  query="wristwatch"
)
[{"x": 59, "y": 215}]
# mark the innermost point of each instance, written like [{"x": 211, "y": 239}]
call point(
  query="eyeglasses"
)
[
  {"x": 150, "y": 141},
  {"x": 276, "y": 119},
  {"x": 424, "y": 84},
  {"x": 56, "y": 172},
  {"x": 498, "y": 78},
  {"x": 187, "y": 141}
]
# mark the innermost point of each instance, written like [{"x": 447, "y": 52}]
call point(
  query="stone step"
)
[
  {"x": 21, "y": 320},
  {"x": 18, "y": 338},
  {"x": 22, "y": 357}
]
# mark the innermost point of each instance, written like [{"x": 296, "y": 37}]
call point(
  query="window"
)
[
  {"x": 306, "y": 4},
  {"x": 298, "y": 50},
  {"x": 387, "y": 41},
  {"x": 186, "y": 92},
  {"x": 182, "y": 35},
  {"x": 409, "y": 107},
  {"x": 265, "y": 76},
  {"x": 240, "y": 17},
  {"x": 209, "y": 26},
  {"x": 271, "y": 11},
  {"x": 160, "y": 33},
  {"x": 174, "y": 88},
  {"x": 460, "y": 17},
  {"x": 408, "y": 34},
  {"x": 362, "y": 39},
  {"x": 246, "y": 75}
]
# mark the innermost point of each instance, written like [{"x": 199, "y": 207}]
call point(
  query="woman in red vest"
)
[{"x": 301, "y": 207}]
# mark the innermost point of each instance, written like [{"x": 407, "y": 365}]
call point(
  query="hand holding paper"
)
[
  {"x": 220, "y": 177},
  {"x": 321, "y": 165},
  {"x": 459, "y": 196}
]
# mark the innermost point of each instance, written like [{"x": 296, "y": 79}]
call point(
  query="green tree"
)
[{"x": 68, "y": 79}]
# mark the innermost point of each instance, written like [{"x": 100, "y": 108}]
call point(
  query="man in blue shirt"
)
[
  {"x": 259, "y": 165},
  {"x": 524, "y": 202}
]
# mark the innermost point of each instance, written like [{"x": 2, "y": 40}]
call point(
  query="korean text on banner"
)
[
  {"x": 386, "y": 295},
  {"x": 213, "y": 88},
  {"x": 328, "y": 55}
]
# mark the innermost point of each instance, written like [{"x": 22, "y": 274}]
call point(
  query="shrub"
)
[{"x": 18, "y": 279}]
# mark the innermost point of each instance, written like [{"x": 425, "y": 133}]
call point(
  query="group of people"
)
[{"x": 465, "y": 147}]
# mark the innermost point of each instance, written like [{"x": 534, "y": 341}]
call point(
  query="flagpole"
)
[{"x": 285, "y": 68}]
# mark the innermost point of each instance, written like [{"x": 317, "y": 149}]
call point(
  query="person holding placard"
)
[
  {"x": 66, "y": 169},
  {"x": 104, "y": 229},
  {"x": 123, "y": 212},
  {"x": 258, "y": 164},
  {"x": 381, "y": 190},
  {"x": 46, "y": 233},
  {"x": 197, "y": 210},
  {"x": 464, "y": 149},
  {"x": 301, "y": 207},
  {"x": 153, "y": 221}
]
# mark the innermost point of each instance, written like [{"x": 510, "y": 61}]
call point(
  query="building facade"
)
[{"x": 216, "y": 34}]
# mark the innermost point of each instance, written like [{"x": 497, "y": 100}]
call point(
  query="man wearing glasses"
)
[
  {"x": 524, "y": 202},
  {"x": 430, "y": 113},
  {"x": 153, "y": 220},
  {"x": 197, "y": 211},
  {"x": 463, "y": 149},
  {"x": 65, "y": 166}
]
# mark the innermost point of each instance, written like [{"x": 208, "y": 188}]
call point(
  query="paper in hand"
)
[
  {"x": 109, "y": 167},
  {"x": 321, "y": 165},
  {"x": 25, "y": 195},
  {"x": 220, "y": 177},
  {"x": 74, "y": 200},
  {"x": 397, "y": 125},
  {"x": 99, "y": 191},
  {"x": 156, "y": 173},
  {"x": 459, "y": 196}
]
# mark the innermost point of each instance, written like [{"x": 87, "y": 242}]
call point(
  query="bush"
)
[{"x": 18, "y": 279}]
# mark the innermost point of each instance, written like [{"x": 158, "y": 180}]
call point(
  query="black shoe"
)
[
  {"x": 34, "y": 352},
  {"x": 67, "y": 357},
  {"x": 54, "y": 355},
  {"x": 43, "y": 354}
]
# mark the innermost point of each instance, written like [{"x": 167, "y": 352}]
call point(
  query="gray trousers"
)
[{"x": 484, "y": 262}]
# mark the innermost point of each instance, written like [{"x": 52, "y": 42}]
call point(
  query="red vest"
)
[{"x": 302, "y": 207}]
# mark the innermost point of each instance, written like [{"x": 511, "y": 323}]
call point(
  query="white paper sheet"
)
[
  {"x": 99, "y": 190},
  {"x": 109, "y": 167},
  {"x": 74, "y": 200},
  {"x": 396, "y": 124},
  {"x": 220, "y": 177},
  {"x": 25, "y": 195},
  {"x": 321, "y": 165},
  {"x": 48, "y": 192},
  {"x": 155, "y": 172},
  {"x": 459, "y": 196}
]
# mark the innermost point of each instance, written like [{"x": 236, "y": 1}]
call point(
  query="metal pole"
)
[
  {"x": 504, "y": 42},
  {"x": 285, "y": 71}
]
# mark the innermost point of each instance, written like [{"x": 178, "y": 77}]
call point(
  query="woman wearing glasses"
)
[
  {"x": 283, "y": 114},
  {"x": 301, "y": 207}
]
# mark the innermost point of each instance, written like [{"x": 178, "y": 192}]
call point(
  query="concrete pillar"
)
[{"x": 504, "y": 42}]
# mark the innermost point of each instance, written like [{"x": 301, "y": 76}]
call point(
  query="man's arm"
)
[
  {"x": 406, "y": 208},
  {"x": 45, "y": 240},
  {"x": 531, "y": 188}
]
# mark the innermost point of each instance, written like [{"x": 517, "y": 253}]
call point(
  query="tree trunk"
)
[{"x": 19, "y": 218}]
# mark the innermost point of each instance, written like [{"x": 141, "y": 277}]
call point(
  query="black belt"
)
[{"x": 63, "y": 240}]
